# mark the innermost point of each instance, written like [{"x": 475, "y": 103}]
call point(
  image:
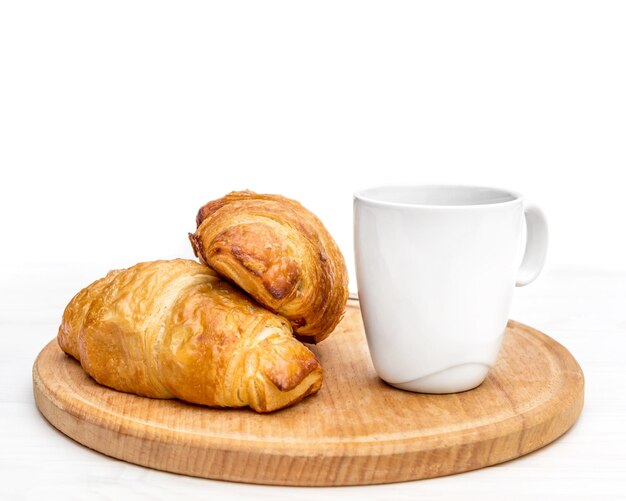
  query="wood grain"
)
[{"x": 357, "y": 430}]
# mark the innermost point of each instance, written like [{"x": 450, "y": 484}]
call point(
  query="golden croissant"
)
[
  {"x": 174, "y": 329},
  {"x": 279, "y": 253}
]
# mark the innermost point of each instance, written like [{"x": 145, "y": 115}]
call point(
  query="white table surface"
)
[{"x": 584, "y": 309}]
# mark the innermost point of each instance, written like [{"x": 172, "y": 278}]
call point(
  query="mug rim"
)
[{"x": 364, "y": 195}]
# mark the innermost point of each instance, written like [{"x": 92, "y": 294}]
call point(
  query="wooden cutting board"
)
[{"x": 356, "y": 430}]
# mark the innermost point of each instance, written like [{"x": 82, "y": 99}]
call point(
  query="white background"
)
[{"x": 119, "y": 119}]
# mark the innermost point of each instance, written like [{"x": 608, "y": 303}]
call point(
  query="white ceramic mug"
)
[{"x": 436, "y": 269}]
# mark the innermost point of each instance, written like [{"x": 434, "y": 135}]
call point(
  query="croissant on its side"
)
[
  {"x": 174, "y": 329},
  {"x": 279, "y": 253}
]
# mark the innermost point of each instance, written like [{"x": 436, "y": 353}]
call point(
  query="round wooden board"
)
[{"x": 356, "y": 430}]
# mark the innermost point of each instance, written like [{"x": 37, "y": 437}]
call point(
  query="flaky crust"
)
[
  {"x": 174, "y": 329},
  {"x": 279, "y": 253}
]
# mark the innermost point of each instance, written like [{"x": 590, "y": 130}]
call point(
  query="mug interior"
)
[{"x": 437, "y": 195}]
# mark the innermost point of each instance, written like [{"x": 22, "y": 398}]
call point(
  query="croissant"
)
[
  {"x": 174, "y": 329},
  {"x": 279, "y": 253}
]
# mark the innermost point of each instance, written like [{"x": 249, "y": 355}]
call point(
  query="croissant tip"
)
[{"x": 194, "y": 243}]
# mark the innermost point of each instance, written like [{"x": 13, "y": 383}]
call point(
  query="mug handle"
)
[{"x": 536, "y": 245}]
